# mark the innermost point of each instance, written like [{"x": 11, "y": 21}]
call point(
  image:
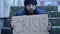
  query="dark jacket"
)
[{"x": 24, "y": 12}]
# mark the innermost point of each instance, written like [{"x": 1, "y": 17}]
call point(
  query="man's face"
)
[{"x": 31, "y": 7}]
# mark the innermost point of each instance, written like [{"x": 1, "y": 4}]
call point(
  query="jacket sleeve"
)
[
  {"x": 19, "y": 13},
  {"x": 41, "y": 11}
]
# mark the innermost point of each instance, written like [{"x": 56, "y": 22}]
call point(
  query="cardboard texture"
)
[{"x": 33, "y": 24}]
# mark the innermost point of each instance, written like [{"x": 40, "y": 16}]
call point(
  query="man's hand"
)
[
  {"x": 49, "y": 27},
  {"x": 12, "y": 25}
]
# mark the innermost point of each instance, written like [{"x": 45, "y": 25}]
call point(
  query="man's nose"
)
[{"x": 31, "y": 6}]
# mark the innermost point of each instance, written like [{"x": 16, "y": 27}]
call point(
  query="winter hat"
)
[{"x": 26, "y": 2}]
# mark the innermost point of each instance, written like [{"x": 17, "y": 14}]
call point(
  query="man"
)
[{"x": 30, "y": 9}]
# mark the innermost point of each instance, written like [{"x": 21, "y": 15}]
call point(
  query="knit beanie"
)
[{"x": 27, "y": 2}]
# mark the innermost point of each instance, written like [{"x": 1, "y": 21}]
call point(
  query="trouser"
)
[{"x": 1, "y": 24}]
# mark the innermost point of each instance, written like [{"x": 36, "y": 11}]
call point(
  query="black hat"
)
[{"x": 26, "y": 2}]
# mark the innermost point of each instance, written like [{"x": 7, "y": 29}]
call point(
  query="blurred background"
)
[{"x": 8, "y": 9}]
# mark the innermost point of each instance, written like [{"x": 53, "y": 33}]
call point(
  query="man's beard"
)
[{"x": 31, "y": 11}]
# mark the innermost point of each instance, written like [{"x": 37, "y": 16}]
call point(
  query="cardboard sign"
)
[{"x": 33, "y": 24}]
